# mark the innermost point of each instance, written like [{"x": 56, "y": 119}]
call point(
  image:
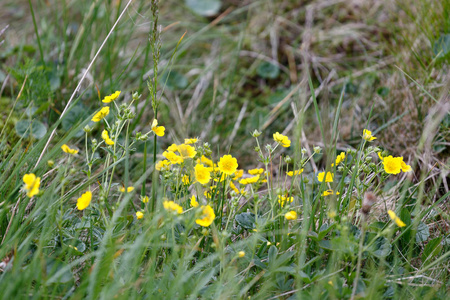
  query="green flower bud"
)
[{"x": 256, "y": 133}]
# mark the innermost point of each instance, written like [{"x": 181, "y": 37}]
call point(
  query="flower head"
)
[
  {"x": 205, "y": 161},
  {"x": 105, "y": 137},
  {"x": 292, "y": 215},
  {"x": 186, "y": 151},
  {"x": 294, "y": 173},
  {"x": 172, "y": 206},
  {"x": 101, "y": 114},
  {"x": 284, "y": 199},
  {"x": 207, "y": 217},
  {"x": 172, "y": 157},
  {"x": 241, "y": 254},
  {"x": 163, "y": 165},
  {"x": 185, "y": 180},
  {"x": 329, "y": 192},
  {"x": 392, "y": 165},
  {"x": 281, "y": 139},
  {"x": 228, "y": 164},
  {"x": 158, "y": 130},
  {"x": 238, "y": 174},
  {"x": 340, "y": 158},
  {"x": 202, "y": 174},
  {"x": 194, "y": 202},
  {"x": 190, "y": 141},
  {"x": 111, "y": 97},
  {"x": 367, "y": 135},
  {"x": 32, "y": 184},
  {"x": 396, "y": 219},
  {"x": 256, "y": 171},
  {"x": 84, "y": 200},
  {"x": 129, "y": 189},
  {"x": 250, "y": 180},
  {"x": 139, "y": 215},
  {"x": 405, "y": 167},
  {"x": 68, "y": 150},
  {"x": 144, "y": 199},
  {"x": 328, "y": 178}
]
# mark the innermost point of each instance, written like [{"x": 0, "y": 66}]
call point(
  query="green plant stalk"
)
[{"x": 41, "y": 52}]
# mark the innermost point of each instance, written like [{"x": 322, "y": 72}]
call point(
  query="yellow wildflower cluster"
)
[
  {"x": 172, "y": 207},
  {"x": 282, "y": 139},
  {"x": 294, "y": 173},
  {"x": 105, "y": 137},
  {"x": 328, "y": 178},
  {"x": 158, "y": 130},
  {"x": 111, "y": 97},
  {"x": 284, "y": 199},
  {"x": 207, "y": 216},
  {"x": 291, "y": 215},
  {"x": 32, "y": 184},
  {"x": 367, "y": 135},
  {"x": 68, "y": 150},
  {"x": 84, "y": 200},
  {"x": 393, "y": 165}
]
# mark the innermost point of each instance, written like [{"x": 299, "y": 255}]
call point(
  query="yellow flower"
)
[
  {"x": 340, "y": 158},
  {"x": 283, "y": 199},
  {"x": 241, "y": 254},
  {"x": 190, "y": 141},
  {"x": 250, "y": 180},
  {"x": 101, "y": 114},
  {"x": 139, "y": 215},
  {"x": 172, "y": 157},
  {"x": 158, "y": 130},
  {"x": 163, "y": 164},
  {"x": 392, "y": 165},
  {"x": 84, "y": 200},
  {"x": 281, "y": 139},
  {"x": 294, "y": 173},
  {"x": 194, "y": 202},
  {"x": 228, "y": 164},
  {"x": 129, "y": 189},
  {"x": 328, "y": 178},
  {"x": 111, "y": 97},
  {"x": 238, "y": 174},
  {"x": 207, "y": 217},
  {"x": 68, "y": 150},
  {"x": 32, "y": 184},
  {"x": 256, "y": 171},
  {"x": 234, "y": 188},
  {"x": 327, "y": 193},
  {"x": 105, "y": 137},
  {"x": 405, "y": 167},
  {"x": 212, "y": 190},
  {"x": 144, "y": 199},
  {"x": 186, "y": 151},
  {"x": 205, "y": 161},
  {"x": 172, "y": 206},
  {"x": 292, "y": 215},
  {"x": 380, "y": 156},
  {"x": 367, "y": 135},
  {"x": 396, "y": 219},
  {"x": 185, "y": 179},
  {"x": 172, "y": 148},
  {"x": 202, "y": 174}
]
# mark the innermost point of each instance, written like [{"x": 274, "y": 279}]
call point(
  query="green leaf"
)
[
  {"x": 273, "y": 252},
  {"x": 442, "y": 46},
  {"x": 246, "y": 220},
  {"x": 268, "y": 70},
  {"x": 324, "y": 230},
  {"x": 205, "y": 8},
  {"x": 36, "y": 128},
  {"x": 174, "y": 80},
  {"x": 53, "y": 266},
  {"x": 77, "y": 114},
  {"x": 432, "y": 249},
  {"x": 423, "y": 232},
  {"x": 381, "y": 247}
]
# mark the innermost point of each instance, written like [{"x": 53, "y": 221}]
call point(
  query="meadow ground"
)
[{"x": 223, "y": 149}]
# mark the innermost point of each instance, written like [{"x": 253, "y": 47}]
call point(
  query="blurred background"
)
[{"x": 241, "y": 65}]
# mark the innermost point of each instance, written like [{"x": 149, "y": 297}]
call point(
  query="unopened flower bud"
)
[
  {"x": 317, "y": 149},
  {"x": 288, "y": 159},
  {"x": 87, "y": 129},
  {"x": 136, "y": 96},
  {"x": 256, "y": 133},
  {"x": 368, "y": 159},
  {"x": 50, "y": 163}
]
